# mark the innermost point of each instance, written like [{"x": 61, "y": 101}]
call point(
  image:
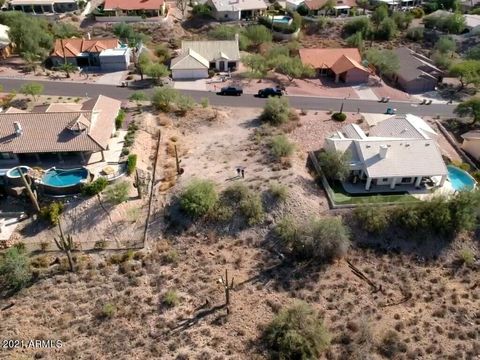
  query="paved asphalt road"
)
[{"x": 300, "y": 102}]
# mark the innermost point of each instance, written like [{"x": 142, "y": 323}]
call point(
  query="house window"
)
[
  {"x": 406, "y": 180},
  {"x": 385, "y": 180},
  {"x": 6, "y": 156}
]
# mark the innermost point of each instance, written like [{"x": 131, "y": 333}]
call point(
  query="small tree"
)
[
  {"x": 297, "y": 333},
  {"x": 258, "y": 34},
  {"x": 355, "y": 40},
  {"x": 14, "y": 269},
  {"x": 163, "y": 53},
  {"x": 293, "y": 67},
  {"x": 164, "y": 97},
  {"x": 386, "y": 30},
  {"x": 131, "y": 163},
  {"x": 445, "y": 45},
  {"x": 379, "y": 15},
  {"x": 469, "y": 108},
  {"x": 468, "y": 72},
  {"x": 198, "y": 197},
  {"x": 117, "y": 193},
  {"x": 142, "y": 64},
  {"x": 120, "y": 119},
  {"x": 32, "y": 89},
  {"x": 67, "y": 68},
  {"x": 402, "y": 19},
  {"x": 257, "y": 63},
  {"x": 276, "y": 111},
  {"x": 335, "y": 164},
  {"x": 156, "y": 71},
  {"x": 95, "y": 187}
]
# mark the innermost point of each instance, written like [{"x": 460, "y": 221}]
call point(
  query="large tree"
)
[
  {"x": 468, "y": 72},
  {"x": 469, "y": 108},
  {"x": 257, "y": 64},
  {"x": 156, "y": 71},
  {"x": 334, "y": 164},
  {"x": 385, "y": 61}
]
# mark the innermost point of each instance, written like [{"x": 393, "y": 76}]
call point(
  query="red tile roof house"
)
[
  {"x": 343, "y": 64},
  {"x": 134, "y": 8},
  {"x": 106, "y": 54},
  {"x": 60, "y": 132},
  {"x": 316, "y": 7}
]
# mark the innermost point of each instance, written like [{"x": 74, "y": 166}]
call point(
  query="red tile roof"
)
[
  {"x": 73, "y": 47},
  {"x": 326, "y": 58},
  {"x": 345, "y": 64},
  {"x": 133, "y": 4}
]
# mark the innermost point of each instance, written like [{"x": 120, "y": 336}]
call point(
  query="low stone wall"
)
[
  {"x": 281, "y": 36},
  {"x": 126, "y": 19}
]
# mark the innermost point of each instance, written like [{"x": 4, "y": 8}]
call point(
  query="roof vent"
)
[
  {"x": 427, "y": 144},
  {"x": 18, "y": 128}
]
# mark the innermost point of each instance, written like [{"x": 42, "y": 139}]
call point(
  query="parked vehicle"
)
[
  {"x": 390, "y": 111},
  {"x": 269, "y": 92},
  {"x": 231, "y": 91}
]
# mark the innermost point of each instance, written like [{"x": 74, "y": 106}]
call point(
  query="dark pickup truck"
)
[
  {"x": 267, "y": 92},
  {"x": 230, "y": 90}
]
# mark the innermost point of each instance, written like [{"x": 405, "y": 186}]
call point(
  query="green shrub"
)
[
  {"x": 119, "y": 119},
  {"x": 415, "y": 33},
  {"x": 52, "y": 212},
  {"x": 391, "y": 345},
  {"x": 184, "y": 104},
  {"x": 109, "y": 310},
  {"x": 297, "y": 333},
  {"x": 279, "y": 191},
  {"x": 417, "y": 12},
  {"x": 287, "y": 231},
  {"x": 276, "y": 111},
  {"x": 204, "y": 103},
  {"x": 170, "y": 298},
  {"x": 339, "y": 116},
  {"x": 335, "y": 164},
  {"x": 281, "y": 147},
  {"x": 14, "y": 269},
  {"x": 202, "y": 10},
  {"x": 95, "y": 187},
  {"x": 163, "y": 98},
  {"x": 131, "y": 163},
  {"x": 198, "y": 197},
  {"x": 237, "y": 192},
  {"x": 117, "y": 193},
  {"x": 252, "y": 208},
  {"x": 372, "y": 219},
  {"x": 467, "y": 256},
  {"x": 171, "y": 257}
]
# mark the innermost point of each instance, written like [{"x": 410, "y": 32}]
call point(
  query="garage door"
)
[{"x": 189, "y": 74}]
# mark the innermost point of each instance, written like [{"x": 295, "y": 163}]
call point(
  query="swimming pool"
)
[
  {"x": 64, "y": 177},
  {"x": 460, "y": 179},
  {"x": 282, "y": 19},
  {"x": 15, "y": 172}
]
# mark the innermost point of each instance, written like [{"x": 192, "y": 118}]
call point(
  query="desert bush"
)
[
  {"x": 335, "y": 164},
  {"x": 279, "y": 191},
  {"x": 171, "y": 257},
  {"x": 14, "y": 269},
  {"x": 415, "y": 33},
  {"x": 252, "y": 208},
  {"x": 280, "y": 146},
  {"x": 118, "y": 193},
  {"x": 339, "y": 116},
  {"x": 297, "y": 333},
  {"x": 467, "y": 256},
  {"x": 417, "y": 12},
  {"x": 52, "y": 212},
  {"x": 120, "y": 119},
  {"x": 95, "y": 187},
  {"x": 372, "y": 219},
  {"x": 323, "y": 239},
  {"x": 237, "y": 192},
  {"x": 170, "y": 298},
  {"x": 108, "y": 310},
  {"x": 204, "y": 103},
  {"x": 276, "y": 111},
  {"x": 198, "y": 197},
  {"x": 391, "y": 345},
  {"x": 163, "y": 98},
  {"x": 184, "y": 104},
  {"x": 131, "y": 163}
]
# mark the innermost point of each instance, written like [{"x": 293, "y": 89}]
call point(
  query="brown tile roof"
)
[
  {"x": 326, "y": 58},
  {"x": 73, "y": 47},
  {"x": 133, "y": 4},
  {"x": 345, "y": 64},
  {"x": 319, "y": 4},
  {"x": 68, "y": 131}
]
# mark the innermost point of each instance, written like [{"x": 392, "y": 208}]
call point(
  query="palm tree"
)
[{"x": 67, "y": 68}]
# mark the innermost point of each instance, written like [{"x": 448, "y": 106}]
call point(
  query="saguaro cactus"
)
[{"x": 65, "y": 244}]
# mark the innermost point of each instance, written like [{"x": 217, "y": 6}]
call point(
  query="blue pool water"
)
[
  {"x": 460, "y": 179},
  {"x": 67, "y": 177},
  {"x": 282, "y": 19}
]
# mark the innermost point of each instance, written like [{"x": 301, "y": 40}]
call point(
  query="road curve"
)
[{"x": 71, "y": 89}]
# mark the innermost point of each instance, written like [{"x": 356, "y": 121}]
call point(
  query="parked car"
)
[
  {"x": 231, "y": 91},
  {"x": 270, "y": 92},
  {"x": 391, "y": 111}
]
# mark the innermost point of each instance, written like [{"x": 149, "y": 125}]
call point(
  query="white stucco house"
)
[
  {"x": 401, "y": 150},
  {"x": 234, "y": 10},
  {"x": 197, "y": 57}
]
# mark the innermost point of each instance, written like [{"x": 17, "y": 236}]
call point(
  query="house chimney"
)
[
  {"x": 18, "y": 128},
  {"x": 383, "y": 151},
  {"x": 89, "y": 37}
]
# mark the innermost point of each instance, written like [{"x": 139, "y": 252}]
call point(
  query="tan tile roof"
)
[
  {"x": 133, "y": 4},
  {"x": 64, "y": 107},
  {"x": 59, "y": 131},
  {"x": 326, "y": 58},
  {"x": 73, "y": 47},
  {"x": 345, "y": 64}
]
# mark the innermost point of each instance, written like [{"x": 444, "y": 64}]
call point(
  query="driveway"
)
[
  {"x": 364, "y": 92},
  {"x": 112, "y": 78},
  {"x": 199, "y": 85}
]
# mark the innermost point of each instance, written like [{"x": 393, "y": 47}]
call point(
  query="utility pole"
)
[
  {"x": 30, "y": 193},
  {"x": 227, "y": 287}
]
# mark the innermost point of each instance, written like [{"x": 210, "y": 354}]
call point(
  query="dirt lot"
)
[{"x": 114, "y": 307}]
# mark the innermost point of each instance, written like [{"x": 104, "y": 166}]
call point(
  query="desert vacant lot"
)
[{"x": 165, "y": 301}]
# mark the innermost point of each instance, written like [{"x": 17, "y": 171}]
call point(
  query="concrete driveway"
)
[
  {"x": 112, "y": 78},
  {"x": 199, "y": 85}
]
